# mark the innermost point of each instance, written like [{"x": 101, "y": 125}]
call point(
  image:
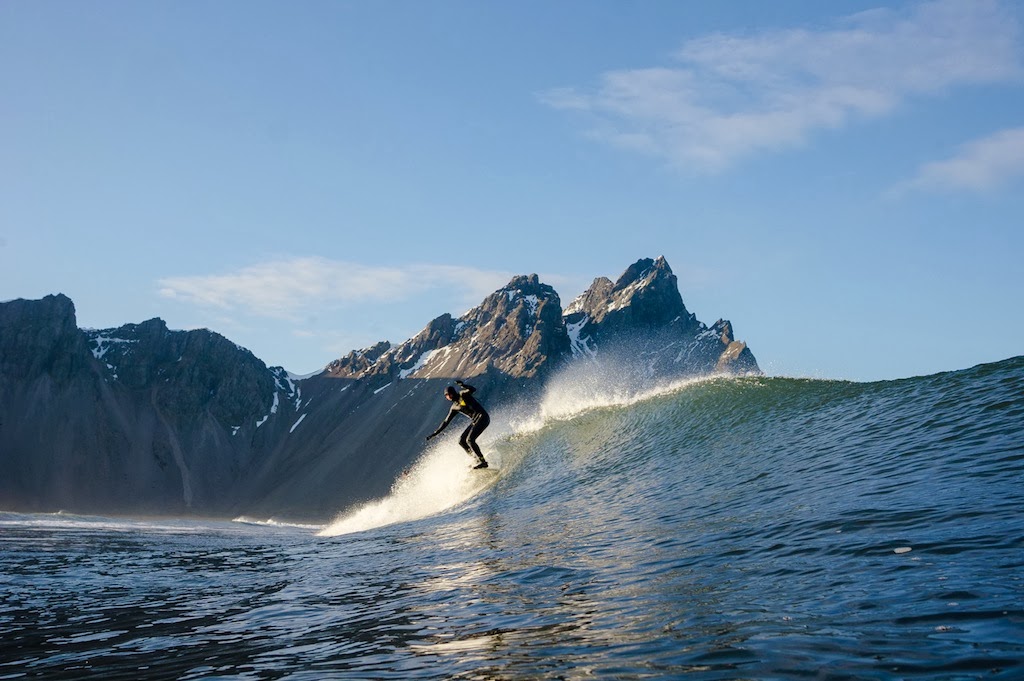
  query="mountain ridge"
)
[{"x": 144, "y": 419}]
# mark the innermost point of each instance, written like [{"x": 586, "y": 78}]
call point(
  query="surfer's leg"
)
[
  {"x": 473, "y": 432},
  {"x": 464, "y": 440},
  {"x": 468, "y": 442}
]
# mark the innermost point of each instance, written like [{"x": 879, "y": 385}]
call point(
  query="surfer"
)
[{"x": 464, "y": 403}]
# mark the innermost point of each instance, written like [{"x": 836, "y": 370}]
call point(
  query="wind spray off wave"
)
[{"x": 586, "y": 387}]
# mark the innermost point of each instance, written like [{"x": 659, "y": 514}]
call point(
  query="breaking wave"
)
[{"x": 441, "y": 479}]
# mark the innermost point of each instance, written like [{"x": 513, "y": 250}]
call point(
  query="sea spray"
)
[
  {"x": 273, "y": 522},
  {"x": 439, "y": 480},
  {"x": 584, "y": 387}
]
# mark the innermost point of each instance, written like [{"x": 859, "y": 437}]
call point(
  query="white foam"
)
[
  {"x": 272, "y": 522},
  {"x": 441, "y": 479},
  {"x": 65, "y": 521}
]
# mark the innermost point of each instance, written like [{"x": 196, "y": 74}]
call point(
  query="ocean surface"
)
[{"x": 751, "y": 528}]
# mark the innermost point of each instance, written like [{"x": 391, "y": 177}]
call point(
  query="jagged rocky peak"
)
[
  {"x": 438, "y": 333},
  {"x": 735, "y": 357},
  {"x": 405, "y": 360},
  {"x": 723, "y": 329},
  {"x": 515, "y": 331},
  {"x": 188, "y": 372},
  {"x": 357, "y": 362},
  {"x": 40, "y": 336},
  {"x": 645, "y": 296},
  {"x": 593, "y": 299},
  {"x": 53, "y": 315},
  {"x": 137, "y": 354},
  {"x": 640, "y": 321},
  {"x": 520, "y": 305},
  {"x": 132, "y": 352}
]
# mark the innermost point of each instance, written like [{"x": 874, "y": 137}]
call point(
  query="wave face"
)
[{"x": 733, "y": 528}]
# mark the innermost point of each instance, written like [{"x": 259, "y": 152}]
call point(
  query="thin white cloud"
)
[
  {"x": 285, "y": 288},
  {"x": 732, "y": 95},
  {"x": 980, "y": 165}
]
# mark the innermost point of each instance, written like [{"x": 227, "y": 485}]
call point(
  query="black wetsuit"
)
[{"x": 468, "y": 406}]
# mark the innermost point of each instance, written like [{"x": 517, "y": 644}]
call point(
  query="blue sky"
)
[{"x": 841, "y": 180}]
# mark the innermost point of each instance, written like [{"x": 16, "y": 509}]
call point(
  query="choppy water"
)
[{"x": 751, "y": 528}]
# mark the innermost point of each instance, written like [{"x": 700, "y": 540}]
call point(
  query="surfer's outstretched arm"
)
[
  {"x": 444, "y": 424},
  {"x": 466, "y": 388}
]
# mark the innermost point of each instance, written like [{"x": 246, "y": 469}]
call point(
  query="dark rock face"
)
[
  {"x": 641, "y": 323},
  {"x": 645, "y": 297},
  {"x": 142, "y": 419},
  {"x": 186, "y": 371},
  {"x": 736, "y": 357},
  {"x": 137, "y": 418},
  {"x": 357, "y": 362},
  {"x": 40, "y": 337},
  {"x": 515, "y": 332}
]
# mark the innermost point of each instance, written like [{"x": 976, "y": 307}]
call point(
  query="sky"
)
[{"x": 844, "y": 181}]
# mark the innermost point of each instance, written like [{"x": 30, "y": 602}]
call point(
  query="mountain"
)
[
  {"x": 516, "y": 332},
  {"x": 641, "y": 320},
  {"x": 138, "y": 417},
  {"x": 143, "y": 419}
]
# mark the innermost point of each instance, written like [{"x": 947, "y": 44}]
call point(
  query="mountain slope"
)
[{"x": 142, "y": 419}]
